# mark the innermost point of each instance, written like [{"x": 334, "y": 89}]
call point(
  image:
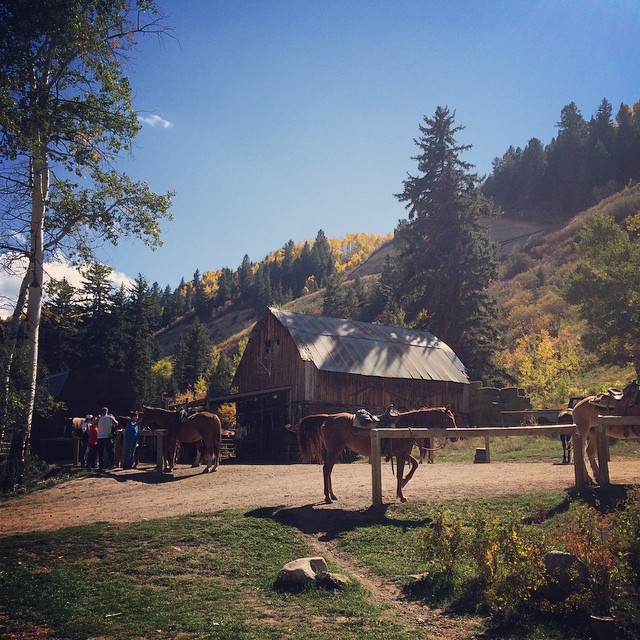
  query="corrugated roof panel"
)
[{"x": 371, "y": 349}]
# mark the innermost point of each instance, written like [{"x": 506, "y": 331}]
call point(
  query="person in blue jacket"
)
[{"x": 130, "y": 440}]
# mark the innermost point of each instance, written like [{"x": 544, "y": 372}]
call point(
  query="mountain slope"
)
[{"x": 535, "y": 260}]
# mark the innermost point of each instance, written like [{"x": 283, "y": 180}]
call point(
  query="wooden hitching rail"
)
[{"x": 476, "y": 432}]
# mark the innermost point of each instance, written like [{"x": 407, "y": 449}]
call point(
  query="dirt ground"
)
[
  {"x": 143, "y": 494},
  {"x": 292, "y": 493}
]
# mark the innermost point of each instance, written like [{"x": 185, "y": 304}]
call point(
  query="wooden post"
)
[
  {"x": 376, "y": 472},
  {"x": 579, "y": 468},
  {"x": 603, "y": 453},
  {"x": 487, "y": 448},
  {"x": 159, "y": 433}
]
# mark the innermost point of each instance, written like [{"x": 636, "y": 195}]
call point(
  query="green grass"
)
[
  {"x": 521, "y": 449},
  {"x": 214, "y": 575},
  {"x": 197, "y": 577}
]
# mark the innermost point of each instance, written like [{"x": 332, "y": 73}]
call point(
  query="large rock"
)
[
  {"x": 332, "y": 581},
  {"x": 565, "y": 574},
  {"x": 301, "y": 572}
]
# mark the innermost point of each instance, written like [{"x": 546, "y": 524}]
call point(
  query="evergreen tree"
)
[
  {"x": 445, "y": 260},
  {"x": 323, "y": 261},
  {"x": 200, "y": 299},
  {"x": 59, "y": 330},
  {"x": 334, "y": 300},
  {"x": 245, "y": 278},
  {"x": 119, "y": 341},
  {"x": 96, "y": 295},
  {"x": 222, "y": 376},
  {"x": 194, "y": 356},
  {"x": 140, "y": 340}
]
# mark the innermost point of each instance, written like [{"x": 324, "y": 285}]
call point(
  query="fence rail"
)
[{"x": 478, "y": 432}]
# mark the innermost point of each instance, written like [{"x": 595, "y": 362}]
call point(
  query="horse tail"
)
[
  {"x": 311, "y": 438},
  {"x": 217, "y": 438}
]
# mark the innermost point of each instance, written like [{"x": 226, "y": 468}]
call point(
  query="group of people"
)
[{"x": 97, "y": 438}]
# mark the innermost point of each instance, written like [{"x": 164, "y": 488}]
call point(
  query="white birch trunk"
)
[{"x": 39, "y": 198}]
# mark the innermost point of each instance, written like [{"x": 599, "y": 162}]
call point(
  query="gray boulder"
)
[
  {"x": 301, "y": 572},
  {"x": 565, "y": 574}
]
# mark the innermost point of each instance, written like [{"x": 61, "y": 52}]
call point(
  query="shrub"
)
[{"x": 498, "y": 558}]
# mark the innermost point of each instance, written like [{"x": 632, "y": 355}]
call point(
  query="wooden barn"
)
[{"x": 296, "y": 364}]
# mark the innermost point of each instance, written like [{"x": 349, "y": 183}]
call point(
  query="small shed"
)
[
  {"x": 83, "y": 390},
  {"x": 296, "y": 364}
]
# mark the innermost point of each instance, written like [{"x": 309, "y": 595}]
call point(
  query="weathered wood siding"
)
[{"x": 271, "y": 360}]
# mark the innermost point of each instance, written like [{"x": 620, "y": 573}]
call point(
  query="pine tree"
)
[
  {"x": 97, "y": 298},
  {"x": 446, "y": 261},
  {"x": 140, "y": 343}
]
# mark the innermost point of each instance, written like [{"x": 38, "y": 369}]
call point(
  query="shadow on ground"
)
[{"x": 328, "y": 524}]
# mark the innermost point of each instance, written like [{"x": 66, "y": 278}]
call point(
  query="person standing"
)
[
  {"x": 92, "y": 444},
  {"x": 130, "y": 440},
  {"x": 106, "y": 424},
  {"x": 84, "y": 438}
]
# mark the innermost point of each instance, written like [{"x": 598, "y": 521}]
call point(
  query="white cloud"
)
[
  {"x": 155, "y": 121},
  {"x": 10, "y": 283}
]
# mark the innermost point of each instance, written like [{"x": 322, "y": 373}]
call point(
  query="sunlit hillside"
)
[{"x": 534, "y": 261}]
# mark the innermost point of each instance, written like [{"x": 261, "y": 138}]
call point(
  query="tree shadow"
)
[
  {"x": 604, "y": 499},
  {"x": 143, "y": 476},
  {"x": 329, "y": 524}
]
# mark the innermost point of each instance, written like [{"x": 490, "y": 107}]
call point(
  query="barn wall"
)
[
  {"x": 271, "y": 360},
  {"x": 344, "y": 391}
]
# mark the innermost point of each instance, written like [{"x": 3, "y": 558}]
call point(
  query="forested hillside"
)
[{"x": 513, "y": 312}]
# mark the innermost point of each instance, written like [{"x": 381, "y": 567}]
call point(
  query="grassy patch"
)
[{"x": 194, "y": 577}]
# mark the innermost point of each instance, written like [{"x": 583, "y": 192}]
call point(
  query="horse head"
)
[
  {"x": 390, "y": 416},
  {"x": 449, "y": 420}
]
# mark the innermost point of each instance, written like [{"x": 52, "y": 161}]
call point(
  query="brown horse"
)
[
  {"x": 321, "y": 438},
  {"x": 585, "y": 417},
  {"x": 203, "y": 428}
]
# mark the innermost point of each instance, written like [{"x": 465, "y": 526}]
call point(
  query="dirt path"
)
[
  {"x": 292, "y": 493},
  {"x": 142, "y": 494}
]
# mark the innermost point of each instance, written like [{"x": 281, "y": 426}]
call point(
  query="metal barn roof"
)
[{"x": 362, "y": 348}]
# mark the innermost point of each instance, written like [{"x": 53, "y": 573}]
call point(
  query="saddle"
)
[
  {"x": 364, "y": 419},
  {"x": 618, "y": 401}
]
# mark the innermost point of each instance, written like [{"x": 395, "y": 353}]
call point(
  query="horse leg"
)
[
  {"x": 563, "y": 441},
  {"x": 400, "y": 481},
  {"x": 414, "y": 466},
  {"x": 210, "y": 457},
  {"x": 589, "y": 448},
  {"x": 169, "y": 453},
  {"x": 198, "y": 458}
]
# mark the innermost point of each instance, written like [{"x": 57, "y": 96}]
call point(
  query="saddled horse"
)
[
  {"x": 321, "y": 438},
  {"x": 203, "y": 428},
  {"x": 585, "y": 417}
]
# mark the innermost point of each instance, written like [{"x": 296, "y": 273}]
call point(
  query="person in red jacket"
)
[{"x": 92, "y": 444}]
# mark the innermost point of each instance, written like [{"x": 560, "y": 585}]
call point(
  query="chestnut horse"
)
[
  {"x": 321, "y": 438},
  {"x": 585, "y": 417},
  {"x": 203, "y": 428}
]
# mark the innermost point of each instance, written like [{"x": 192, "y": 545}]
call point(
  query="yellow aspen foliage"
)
[
  {"x": 163, "y": 368},
  {"x": 227, "y": 415},
  {"x": 544, "y": 365}
]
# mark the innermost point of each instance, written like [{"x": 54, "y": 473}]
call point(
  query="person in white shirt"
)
[{"x": 106, "y": 426}]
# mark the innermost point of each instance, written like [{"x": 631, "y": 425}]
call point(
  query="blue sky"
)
[{"x": 272, "y": 119}]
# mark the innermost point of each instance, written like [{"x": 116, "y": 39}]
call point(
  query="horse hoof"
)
[
  {"x": 403, "y": 499},
  {"x": 206, "y": 470},
  {"x": 328, "y": 500}
]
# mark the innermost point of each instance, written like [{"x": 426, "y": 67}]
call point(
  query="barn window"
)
[{"x": 271, "y": 346}]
